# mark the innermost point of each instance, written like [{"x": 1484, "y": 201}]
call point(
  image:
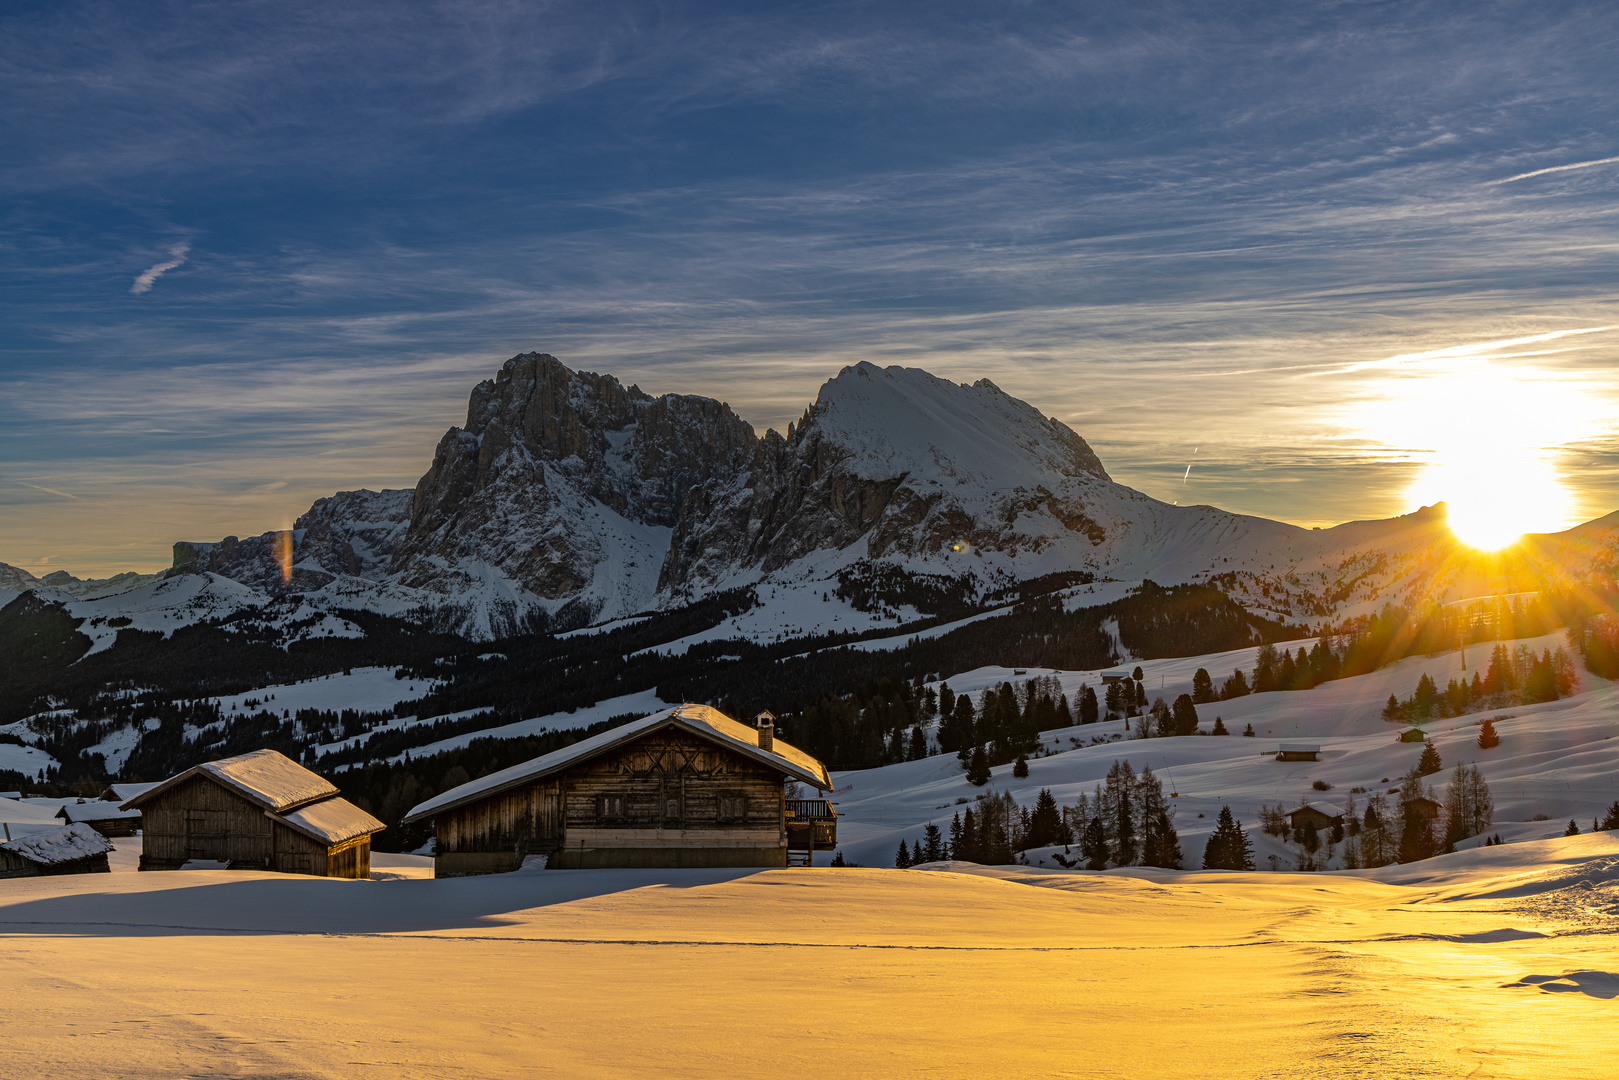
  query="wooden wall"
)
[
  {"x": 201, "y": 819},
  {"x": 669, "y": 799}
]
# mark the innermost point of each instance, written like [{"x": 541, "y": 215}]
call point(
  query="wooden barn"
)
[
  {"x": 77, "y": 849},
  {"x": 1323, "y": 815},
  {"x": 104, "y": 817},
  {"x": 685, "y": 787},
  {"x": 1298, "y": 752},
  {"x": 1415, "y": 734},
  {"x": 258, "y": 811}
]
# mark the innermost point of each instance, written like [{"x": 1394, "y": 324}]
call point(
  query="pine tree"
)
[
  {"x": 1229, "y": 847},
  {"x": 918, "y": 748},
  {"x": 1045, "y": 822},
  {"x": 1249, "y": 731},
  {"x": 1089, "y": 713},
  {"x": 1093, "y": 845},
  {"x": 903, "y": 858},
  {"x": 932, "y": 843},
  {"x": 978, "y": 767},
  {"x": 968, "y": 850},
  {"x": 1236, "y": 686},
  {"x": 1202, "y": 687},
  {"x": 1185, "y": 715},
  {"x": 1020, "y": 768},
  {"x": 1219, "y": 727},
  {"x": 916, "y": 854},
  {"x": 1163, "y": 845},
  {"x": 1572, "y": 830},
  {"x": 1487, "y": 738},
  {"x": 1610, "y": 820},
  {"x": 1429, "y": 762}
]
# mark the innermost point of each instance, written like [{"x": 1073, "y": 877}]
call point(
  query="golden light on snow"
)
[{"x": 1489, "y": 422}]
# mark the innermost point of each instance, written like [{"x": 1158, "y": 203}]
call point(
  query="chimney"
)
[{"x": 767, "y": 730}]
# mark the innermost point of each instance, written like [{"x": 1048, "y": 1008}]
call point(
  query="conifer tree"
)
[
  {"x": 1249, "y": 731},
  {"x": 1487, "y": 738},
  {"x": 1236, "y": 686},
  {"x": 1046, "y": 826},
  {"x": 916, "y": 853},
  {"x": 918, "y": 748},
  {"x": 1610, "y": 820},
  {"x": 978, "y": 767},
  {"x": 932, "y": 843},
  {"x": 1163, "y": 844},
  {"x": 947, "y": 699},
  {"x": 1219, "y": 727},
  {"x": 1229, "y": 847},
  {"x": 1185, "y": 715},
  {"x": 955, "y": 837},
  {"x": 968, "y": 850},
  {"x": 1429, "y": 762},
  {"x": 1202, "y": 687},
  {"x": 1020, "y": 767},
  {"x": 1572, "y": 830},
  {"x": 902, "y": 859},
  {"x": 1093, "y": 845},
  {"x": 1089, "y": 713}
]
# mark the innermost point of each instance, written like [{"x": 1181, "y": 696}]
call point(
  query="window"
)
[
  {"x": 610, "y": 808},
  {"x": 733, "y": 808}
]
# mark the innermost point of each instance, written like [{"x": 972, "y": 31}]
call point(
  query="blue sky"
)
[{"x": 1192, "y": 231}]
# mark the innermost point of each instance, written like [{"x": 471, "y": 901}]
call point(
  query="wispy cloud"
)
[
  {"x": 1556, "y": 169},
  {"x": 148, "y": 277}
]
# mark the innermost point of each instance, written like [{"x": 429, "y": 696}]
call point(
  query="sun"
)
[{"x": 1490, "y": 503}]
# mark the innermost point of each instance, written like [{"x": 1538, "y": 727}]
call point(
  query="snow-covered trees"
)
[{"x": 1229, "y": 847}]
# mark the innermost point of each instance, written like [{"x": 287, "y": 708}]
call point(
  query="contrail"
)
[
  {"x": 1189, "y": 466},
  {"x": 1555, "y": 168},
  {"x": 144, "y": 282}
]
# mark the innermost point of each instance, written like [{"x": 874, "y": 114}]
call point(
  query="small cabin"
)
[
  {"x": 1322, "y": 815},
  {"x": 1413, "y": 735},
  {"x": 688, "y": 786},
  {"x": 1298, "y": 752},
  {"x": 1427, "y": 809},
  {"x": 258, "y": 811},
  {"x": 104, "y": 817},
  {"x": 1111, "y": 677},
  {"x": 77, "y": 849}
]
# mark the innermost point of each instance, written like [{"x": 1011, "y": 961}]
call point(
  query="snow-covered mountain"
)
[{"x": 568, "y": 499}]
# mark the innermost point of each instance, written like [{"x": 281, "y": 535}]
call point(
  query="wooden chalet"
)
[
  {"x": 77, "y": 849},
  {"x": 1415, "y": 734},
  {"x": 1427, "y": 809},
  {"x": 1323, "y": 815},
  {"x": 1298, "y": 752},
  {"x": 105, "y": 818},
  {"x": 685, "y": 787},
  {"x": 258, "y": 811}
]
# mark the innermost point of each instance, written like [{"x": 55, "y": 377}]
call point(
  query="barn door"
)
[{"x": 205, "y": 832}]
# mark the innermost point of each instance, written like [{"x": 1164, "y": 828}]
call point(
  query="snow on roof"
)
[
  {"x": 59, "y": 845},
  {"x": 1299, "y": 748},
  {"x": 700, "y": 720},
  {"x": 1328, "y": 808},
  {"x": 21, "y": 812},
  {"x": 125, "y": 792},
  {"x": 266, "y": 777},
  {"x": 331, "y": 821},
  {"x": 95, "y": 810}
]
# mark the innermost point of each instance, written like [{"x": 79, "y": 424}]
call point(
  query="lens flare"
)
[{"x": 281, "y": 546}]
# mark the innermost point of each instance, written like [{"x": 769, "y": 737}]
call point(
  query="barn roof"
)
[
  {"x": 94, "y": 810},
  {"x": 330, "y": 821},
  {"x": 270, "y": 779},
  {"x": 59, "y": 845},
  {"x": 700, "y": 720},
  {"x": 1327, "y": 808}
]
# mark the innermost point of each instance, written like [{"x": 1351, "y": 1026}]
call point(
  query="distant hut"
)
[
  {"x": 1323, "y": 815},
  {"x": 77, "y": 849},
  {"x": 1415, "y": 734},
  {"x": 688, "y": 786},
  {"x": 258, "y": 811},
  {"x": 1298, "y": 752},
  {"x": 105, "y": 818},
  {"x": 1426, "y": 809}
]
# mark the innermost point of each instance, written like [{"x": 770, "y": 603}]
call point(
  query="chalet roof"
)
[
  {"x": 59, "y": 845},
  {"x": 95, "y": 810},
  {"x": 17, "y": 813},
  {"x": 700, "y": 720},
  {"x": 330, "y": 821},
  {"x": 270, "y": 779},
  {"x": 1299, "y": 748},
  {"x": 1327, "y": 808}
]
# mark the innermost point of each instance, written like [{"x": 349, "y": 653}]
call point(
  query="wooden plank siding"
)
[
  {"x": 201, "y": 819},
  {"x": 668, "y": 799}
]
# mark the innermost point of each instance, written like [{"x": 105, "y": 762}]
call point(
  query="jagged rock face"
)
[
  {"x": 351, "y": 534},
  {"x": 566, "y": 484},
  {"x": 918, "y": 467}
]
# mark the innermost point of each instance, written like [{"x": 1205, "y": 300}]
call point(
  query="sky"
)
[{"x": 1339, "y": 258}]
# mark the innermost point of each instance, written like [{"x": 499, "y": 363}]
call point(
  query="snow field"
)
[
  {"x": 1491, "y": 966},
  {"x": 1559, "y": 759}
]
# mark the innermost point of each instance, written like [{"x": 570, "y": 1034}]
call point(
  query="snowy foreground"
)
[{"x": 1496, "y": 962}]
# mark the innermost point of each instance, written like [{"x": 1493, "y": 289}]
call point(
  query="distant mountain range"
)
[{"x": 568, "y": 499}]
